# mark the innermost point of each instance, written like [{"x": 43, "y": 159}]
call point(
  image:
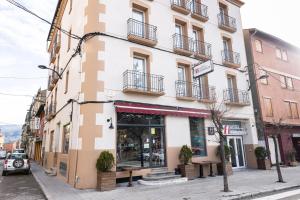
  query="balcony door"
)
[
  {"x": 139, "y": 75},
  {"x": 182, "y": 86},
  {"x": 232, "y": 88},
  {"x": 139, "y": 18},
  {"x": 179, "y": 39}
]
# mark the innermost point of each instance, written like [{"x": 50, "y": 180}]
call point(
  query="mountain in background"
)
[{"x": 11, "y": 132}]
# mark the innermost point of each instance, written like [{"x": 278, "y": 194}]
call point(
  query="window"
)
[
  {"x": 69, "y": 40},
  {"x": 284, "y": 55},
  {"x": 66, "y": 138},
  {"x": 67, "y": 82},
  {"x": 281, "y": 54},
  {"x": 278, "y": 53},
  {"x": 286, "y": 82},
  {"x": 263, "y": 80},
  {"x": 268, "y": 107},
  {"x": 198, "y": 139},
  {"x": 258, "y": 46},
  {"x": 282, "y": 81},
  {"x": 289, "y": 83},
  {"x": 292, "y": 110}
]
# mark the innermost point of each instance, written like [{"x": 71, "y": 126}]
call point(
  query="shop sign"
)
[
  {"x": 211, "y": 130},
  {"x": 203, "y": 68},
  {"x": 296, "y": 134}
]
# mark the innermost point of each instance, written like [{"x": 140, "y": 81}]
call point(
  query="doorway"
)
[
  {"x": 237, "y": 157},
  {"x": 296, "y": 143}
]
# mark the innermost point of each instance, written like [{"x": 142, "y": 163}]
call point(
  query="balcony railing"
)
[
  {"x": 226, "y": 22},
  {"x": 51, "y": 111},
  {"x": 140, "y": 82},
  {"x": 199, "y": 11},
  {"x": 50, "y": 84},
  {"x": 202, "y": 50},
  {"x": 236, "y": 97},
  {"x": 56, "y": 45},
  {"x": 183, "y": 44},
  {"x": 182, "y": 6},
  {"x": 54, "y": 76},
  {"x": 231, "y": 58},
  {"x": 187, "y": 90},
  {"x": 141, "y": 32},
  {"x": 207, "y": 93}
]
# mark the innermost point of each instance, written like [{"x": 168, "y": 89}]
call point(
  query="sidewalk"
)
[{"x": 242, "y": 183}]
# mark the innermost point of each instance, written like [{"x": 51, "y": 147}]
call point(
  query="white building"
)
[{"x": 133, "y": 89}]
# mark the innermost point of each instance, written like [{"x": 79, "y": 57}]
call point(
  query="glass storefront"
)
[
  {"x": 198, "y": 140},
  {"x": 140, "y": 140}
]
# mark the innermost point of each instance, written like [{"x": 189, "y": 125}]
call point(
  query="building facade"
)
[
  {"x": 131, "y": 89},
  {"x": 276, "y": 96},
  {"x": 2, "y": 138}
]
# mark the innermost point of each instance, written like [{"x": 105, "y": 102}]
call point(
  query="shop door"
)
[
  {"x": 296, "y": 142},
  {"x": 237, "y": 158},
  {"x": 272, "y": 150}
]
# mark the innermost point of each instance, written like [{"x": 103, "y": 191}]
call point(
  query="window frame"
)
[
  {"x": 64, "y": 138},
  {"x": 269, "y": 113},
  {"x": 264, "y": 81},
  {"x": 201, "y": 120}
]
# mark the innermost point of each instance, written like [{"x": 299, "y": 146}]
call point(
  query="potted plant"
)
[
  {"x": 262, "y": 158},
  {"x": 106, "y": 179},
  {"x": 292, "y": 158},
  {"x": 186, "y": 168},
  {"x": 227, "y": 152}
]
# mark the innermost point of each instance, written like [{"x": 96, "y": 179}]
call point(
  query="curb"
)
[
  {"x": 266, "y": 193},
  {"x": 43, "y": 188}
]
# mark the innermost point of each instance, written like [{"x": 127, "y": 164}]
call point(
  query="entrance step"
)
[{"x": 161, "y": 176}]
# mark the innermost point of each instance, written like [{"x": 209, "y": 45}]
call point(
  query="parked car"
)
[
  {"x": 16, "y": 162},
  {"x": 19, "y": 151},
  {"x": 2, "y": 154}
]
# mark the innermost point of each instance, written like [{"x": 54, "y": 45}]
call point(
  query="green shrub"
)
[
  {"x": 185, "y": 154},
  {"x": 227, "y": 151},
  {"x": 105, "y": 161},
  {"x": 261, "y": 153}
]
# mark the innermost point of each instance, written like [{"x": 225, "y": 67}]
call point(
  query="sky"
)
[{"x": 23, "y": 45}]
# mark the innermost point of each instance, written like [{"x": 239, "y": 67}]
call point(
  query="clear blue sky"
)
[{"x": 23, "y": 45}]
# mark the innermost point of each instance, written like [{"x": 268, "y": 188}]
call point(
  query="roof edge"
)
[
  {"x": 238, "y": 3},
  {"x": 54, "y": 18}
]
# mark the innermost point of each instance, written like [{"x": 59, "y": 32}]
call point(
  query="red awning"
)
[{"x": 140, "y": 108}]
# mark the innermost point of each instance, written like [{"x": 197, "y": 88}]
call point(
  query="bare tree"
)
[
  {"x": 274, "y": 135},
  {"x": 217, "y": 111}
]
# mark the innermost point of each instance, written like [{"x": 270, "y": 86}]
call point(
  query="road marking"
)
[{"x": 280, "y": 196}]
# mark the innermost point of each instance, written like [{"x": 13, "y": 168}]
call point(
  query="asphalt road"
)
[
  {"x": 287, "y": 195},
  {"x": 19, "y": 187}
]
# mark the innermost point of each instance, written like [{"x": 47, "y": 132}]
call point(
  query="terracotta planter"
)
[
  {"x": 293, "y": 163},
  {"x": 263, "y": 164},
  {"x": 228, "y": 168},
  {"x": 187, "y": 171},
  {"x": 106, "y": 181}
]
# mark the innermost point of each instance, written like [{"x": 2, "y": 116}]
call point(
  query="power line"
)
[
  {"x": 13, "y": 77},
  {"x": 44, "y": 20},
  {"x": 16, "y": 95}
]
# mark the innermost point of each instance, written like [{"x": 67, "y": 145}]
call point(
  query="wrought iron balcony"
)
[
  {"x": 186, "y": 90},
  {"x": 231, "y": 59},
  {"x": 182, "y": 6},
  {"x": 140, "y": 82},
  {"x": 227, "y": 23},
  {"x": 183, "y": 45},
  {"x": 51, "y": 111},
  {"x": 54, "y": 76},
  {"x": 236, "y": 97},
  {"x": 57, "y": 42},
  {"x": 52, "y": 55},
  {"x": 50, "y": 84},
  {"x": 202, "y": 50},
  {"x": 206, "y": 94},
  {"x": 199, "y": 11},
  {"x": 141, "y": 32}
]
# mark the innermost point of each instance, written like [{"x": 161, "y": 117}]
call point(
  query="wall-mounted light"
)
[{"x": 111, "y": 126}]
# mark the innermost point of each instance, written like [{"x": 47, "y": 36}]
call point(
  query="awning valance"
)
[{"x": 140, "y": 108}]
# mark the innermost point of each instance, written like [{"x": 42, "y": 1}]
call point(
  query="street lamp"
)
[
  {"x": 259, "y": 78},
  {"x": 44, "y": 67}
]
